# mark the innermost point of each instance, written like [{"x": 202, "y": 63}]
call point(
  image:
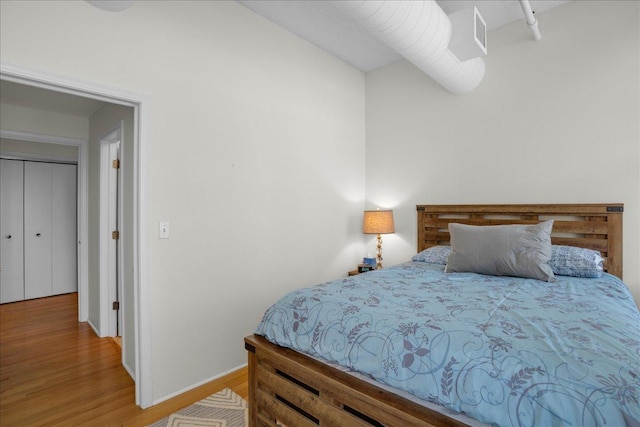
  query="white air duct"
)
[{"x": 420, "y": 31}]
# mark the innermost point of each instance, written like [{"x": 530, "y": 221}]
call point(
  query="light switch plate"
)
[{"x": 163, "y": 230}]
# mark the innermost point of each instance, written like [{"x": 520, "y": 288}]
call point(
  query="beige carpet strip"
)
[{"x": 223, "y": 409}]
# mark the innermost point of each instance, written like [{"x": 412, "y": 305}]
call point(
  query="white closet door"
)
[
  {"x": 37, "y": 230},
  {"x": 11, "y": 231},
  {"x": 63, "y": 219}
]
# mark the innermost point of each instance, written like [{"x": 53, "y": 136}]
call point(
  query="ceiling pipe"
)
[
  {"x": 532, "y": 23},
  {"x": 421, "y": 32},
  {"x": 111, "y": 5}
]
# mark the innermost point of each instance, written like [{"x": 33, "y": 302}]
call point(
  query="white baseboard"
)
[
  {"x": 129, "y": 371},
  {"x": 94, "y": 328},
  {"x": 191, "y": 387}
]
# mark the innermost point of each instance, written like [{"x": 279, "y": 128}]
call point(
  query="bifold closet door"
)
[
  {"x": 64, "y": 274},
  {"x": 11, "y": 231},
  {"x": 37, "y": 230}
]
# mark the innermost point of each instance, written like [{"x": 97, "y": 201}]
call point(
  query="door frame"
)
[
  {"x": 141, "y": 241},
  {"x": 82, "y": 179}
]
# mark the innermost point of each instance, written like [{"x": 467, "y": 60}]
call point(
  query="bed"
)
[{"x": 417, "y": 367}]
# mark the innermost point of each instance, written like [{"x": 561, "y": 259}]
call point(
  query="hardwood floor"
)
[{"x": 55, "y": 371}]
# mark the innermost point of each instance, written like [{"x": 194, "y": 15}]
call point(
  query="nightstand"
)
[{"x": 362, "y": 268}]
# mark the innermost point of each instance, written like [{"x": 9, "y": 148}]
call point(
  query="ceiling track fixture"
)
[
  {"x": 421, "y": 32},
  {"x": 532, "y": 22}
]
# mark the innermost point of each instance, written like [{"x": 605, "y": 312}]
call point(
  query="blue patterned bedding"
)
[{"x": 503, "y": 350}]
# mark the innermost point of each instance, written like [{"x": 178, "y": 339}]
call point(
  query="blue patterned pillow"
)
[
  {"x": 565, "y": 260},
  {"x": 576, "y": 262},
  {"x": 433, "y": 255}
]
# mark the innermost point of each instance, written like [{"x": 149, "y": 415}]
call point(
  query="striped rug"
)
[{"x": 223, "y": 409}]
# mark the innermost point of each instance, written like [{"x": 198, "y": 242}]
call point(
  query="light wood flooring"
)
[{"x": 55, "y": 371}]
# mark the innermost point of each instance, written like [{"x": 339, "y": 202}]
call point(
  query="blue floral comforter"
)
[{"x": 503, "y": 350}]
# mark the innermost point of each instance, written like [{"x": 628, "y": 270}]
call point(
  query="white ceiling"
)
[
  {"x": 314, "y": 20},
  {"x": 33, "y": 97},
  {"x": 322, "y": 24}
]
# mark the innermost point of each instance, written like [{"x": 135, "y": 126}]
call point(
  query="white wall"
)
[
  {"x": 57, "y": 151},
  {"x": 256, "y": 159},
  {"x": 32, "y": 120},
  {"x": 554, "y": 121}
]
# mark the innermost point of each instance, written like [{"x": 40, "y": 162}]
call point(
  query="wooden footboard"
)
[{"x": 288, "y": 388}]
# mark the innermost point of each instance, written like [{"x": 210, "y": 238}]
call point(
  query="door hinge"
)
[
  {"x": 116, "y": 164},
  {"x": 116, "y": 305},
  {"x": 115, "y": 235}
]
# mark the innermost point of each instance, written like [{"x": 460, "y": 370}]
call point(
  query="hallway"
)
[{"x": 55, "y": 371}]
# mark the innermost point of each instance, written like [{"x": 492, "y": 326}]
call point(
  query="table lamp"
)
[{"x": 378, "y": 222}]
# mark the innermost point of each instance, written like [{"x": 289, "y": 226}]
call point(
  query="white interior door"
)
[
  {"x": 111, "y": 281},
  {"x": 114, "y": 149},
  {"x": 64, "y": 273},
  {"x": 37, "y": 230},
  {"x": 11, "y": 231}
]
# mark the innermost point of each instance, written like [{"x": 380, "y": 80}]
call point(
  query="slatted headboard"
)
[{"x": 593, "y": 226}]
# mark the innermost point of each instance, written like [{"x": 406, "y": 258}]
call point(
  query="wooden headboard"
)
[{"x": 593, "y": 226}]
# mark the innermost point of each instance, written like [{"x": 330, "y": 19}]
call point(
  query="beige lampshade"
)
[{"x": 378, "y": 222}]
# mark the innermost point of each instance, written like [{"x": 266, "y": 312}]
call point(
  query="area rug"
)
[{"x": 223, "y": 409}]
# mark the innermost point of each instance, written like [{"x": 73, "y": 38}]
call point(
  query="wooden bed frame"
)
[
  {"x": 289, "y": 388},
  {"x": 593, "y": 226}
]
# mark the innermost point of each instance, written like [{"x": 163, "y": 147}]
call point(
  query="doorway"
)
[{"x": 139, "y": 347}]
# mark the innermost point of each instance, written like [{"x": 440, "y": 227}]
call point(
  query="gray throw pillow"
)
[{"x": 502, "y": 250}]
